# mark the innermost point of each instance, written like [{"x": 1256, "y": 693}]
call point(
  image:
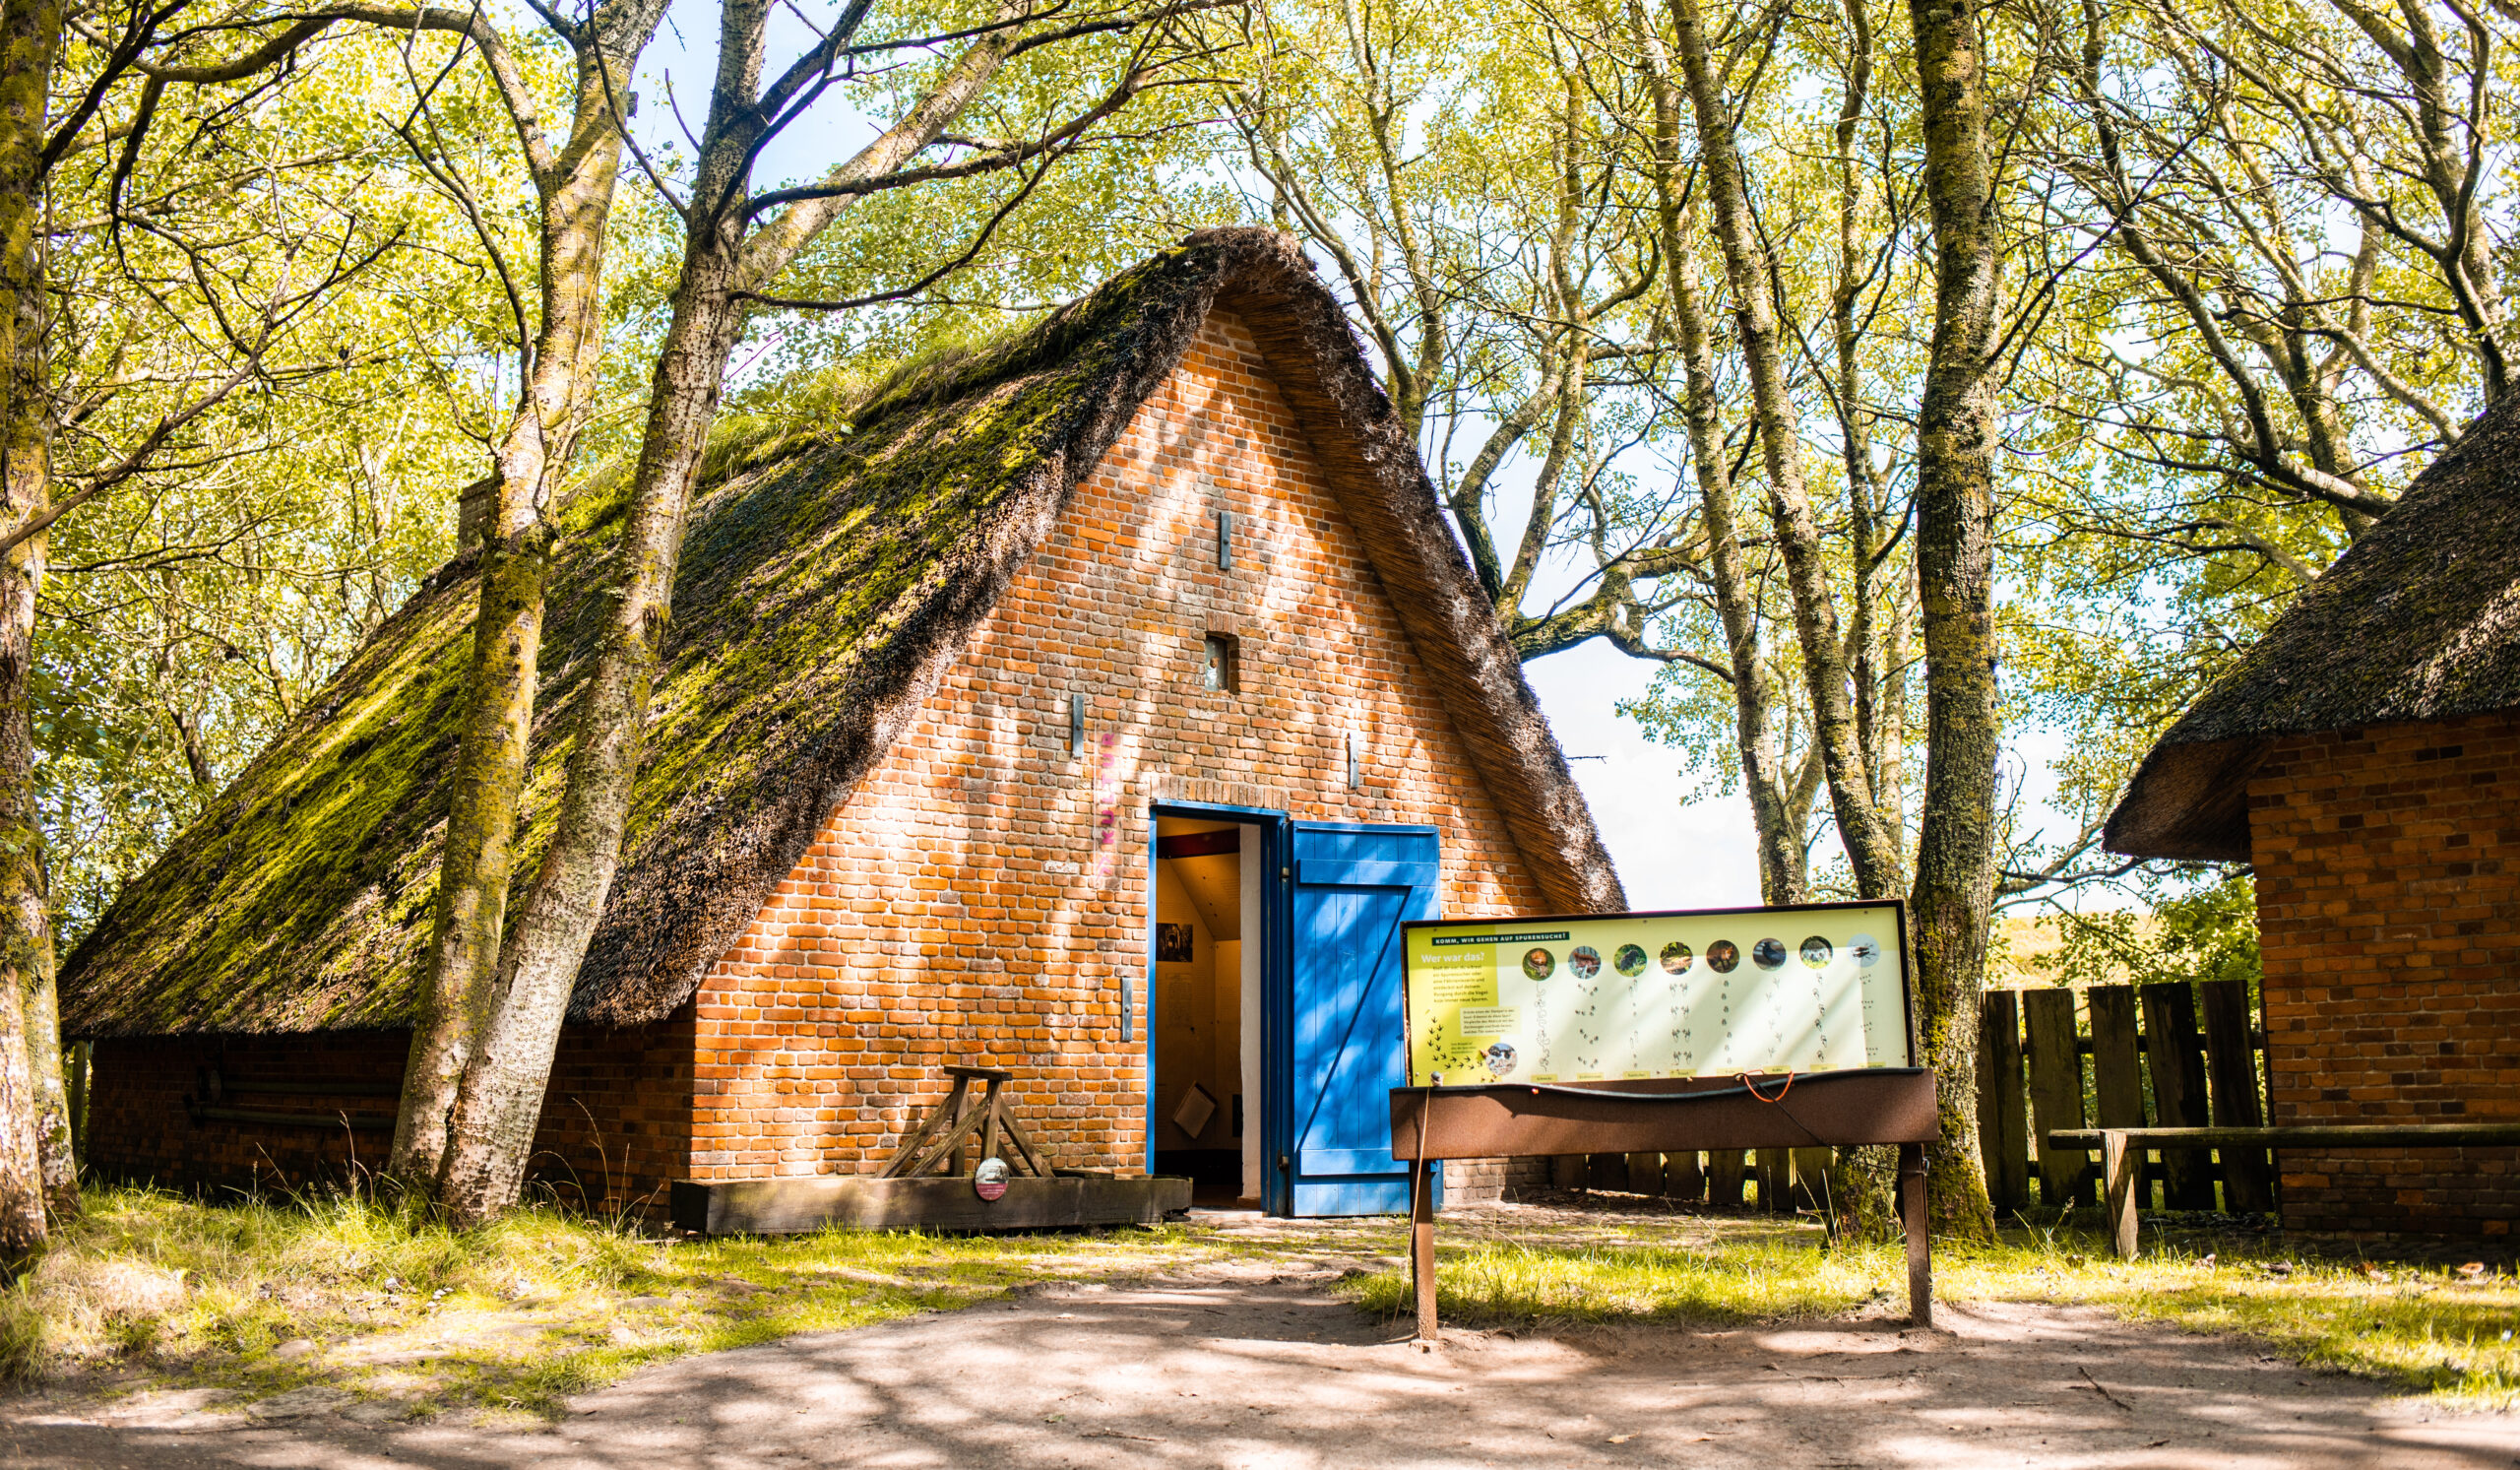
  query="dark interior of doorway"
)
[{"x": 1204, "y": 914}]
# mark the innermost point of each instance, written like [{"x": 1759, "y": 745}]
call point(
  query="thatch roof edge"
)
[
  {"x": 2418, "y": 621},
  {"x": 651, "y": 951},
  {"x": 700, "y": 879}
]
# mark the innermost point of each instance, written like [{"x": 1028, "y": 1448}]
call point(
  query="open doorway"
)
[{"x": 1209, "y": 937}]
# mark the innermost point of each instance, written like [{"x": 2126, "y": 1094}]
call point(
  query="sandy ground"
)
[{"x": 1249, "y": 1365}]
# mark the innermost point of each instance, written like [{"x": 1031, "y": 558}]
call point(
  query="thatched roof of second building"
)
[
  {"x": 2420, "y": 619},
  {"x": 831, "y": 574}
]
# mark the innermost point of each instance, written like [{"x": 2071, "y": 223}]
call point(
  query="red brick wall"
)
[
  {"x": 616, "y": 1120},
  {"x": 954, "y": 909},
  {"x": 2388, "y": 893},
  {"x": 959, "y": 907}
]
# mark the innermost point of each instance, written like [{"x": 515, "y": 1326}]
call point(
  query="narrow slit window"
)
[
  {"x": 1224, "y": 540},
  {"x": 1221, "y": 663}
]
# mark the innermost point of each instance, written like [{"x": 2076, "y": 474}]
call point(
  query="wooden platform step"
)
[{"x": 792, "y": 1206}]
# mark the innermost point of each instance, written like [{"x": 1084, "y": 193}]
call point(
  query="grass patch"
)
[
  {"x": 1534, "y": 1284},
  {"x": 386, "y": 1303},
  {"x": 2428, "y": 1329}
]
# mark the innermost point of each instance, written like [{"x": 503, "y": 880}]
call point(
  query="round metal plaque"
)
[{"x": 988, "y": 1181}]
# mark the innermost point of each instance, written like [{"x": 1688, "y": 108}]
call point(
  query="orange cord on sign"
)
[{"x": 1754, "y": 1088}]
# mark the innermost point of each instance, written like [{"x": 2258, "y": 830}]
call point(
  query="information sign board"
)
[{"x": 1618, "y": 996}]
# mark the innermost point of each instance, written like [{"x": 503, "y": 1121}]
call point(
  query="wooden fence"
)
[
  {"x": 2145, "y": 1045},
  {"x": 2159, "y": 1056}
]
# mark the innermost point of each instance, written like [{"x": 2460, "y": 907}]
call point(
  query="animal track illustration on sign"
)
[{"x": 1647, "y": 995}]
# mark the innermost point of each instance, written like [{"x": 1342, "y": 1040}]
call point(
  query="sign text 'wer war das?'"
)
[{"x": 1607, "y": 998}]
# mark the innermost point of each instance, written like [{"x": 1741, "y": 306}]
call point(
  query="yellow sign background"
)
[{"x": 1608, "y": 999}]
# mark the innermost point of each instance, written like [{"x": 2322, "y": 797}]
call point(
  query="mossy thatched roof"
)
[
  {"x": 2419, "y": 621},
  {"x": 831, "y": 572}
]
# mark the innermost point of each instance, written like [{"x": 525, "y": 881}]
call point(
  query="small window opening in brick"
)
[{"x": 1221, "y": 663}]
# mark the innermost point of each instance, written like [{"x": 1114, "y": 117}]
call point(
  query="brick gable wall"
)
[
  {"x": 963, "y": 905},
  {"x": 2388, "y": 893}
]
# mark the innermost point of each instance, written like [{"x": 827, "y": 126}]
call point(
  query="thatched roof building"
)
[
  {"x": 2418, "y": 621},
  {"x": 836, "y": 565}
]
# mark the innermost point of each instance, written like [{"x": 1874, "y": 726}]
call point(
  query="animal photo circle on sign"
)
[
  {"x": 1677, "y": 957},
  {"x": 1768, "y": 954},
  {"x": 1630, "y": 959},
  {"x": 1538, "y": 964},
  {"x": 988, "y": 1182},
  {"x": 1722, "y": 956},
  {"x": 1586, "y": 962},
  {"x": 1500, "y": 1059},
  {"x": 1817, "y": 952},
  {"x": 1865, "y": 949}
]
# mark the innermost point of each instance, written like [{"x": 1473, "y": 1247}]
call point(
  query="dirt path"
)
[{"x": 1243, "y": 1367}]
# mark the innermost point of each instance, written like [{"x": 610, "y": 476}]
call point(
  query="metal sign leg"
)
[
  {"x": 1421, "y": 1245},
  {"x": 1912, "y": 1220}
]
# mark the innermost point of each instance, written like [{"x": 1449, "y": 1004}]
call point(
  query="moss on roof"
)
[{"x": 833, "y": 567}]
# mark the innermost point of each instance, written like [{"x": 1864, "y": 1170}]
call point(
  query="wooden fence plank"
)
[
  {"x": 1725, "y": 1169},
  {"x": 2231, "y": 1063},
  {"x": 2056, "y": 1094},
  {"x": 1776, "y": 1181},
  {"x": 2116, "y": 1073},
  {"x": 1811, "y": 1178},
  {"x": 2177, "y": 1067},
  {"x": 2117, "y": 1076},
  {"x": 2003, "y": 1145},
  {"x": 1644, "y": 1173},
  {"x": 1683, "y": 1181},
  {"x": 1606, "y": 1171}
]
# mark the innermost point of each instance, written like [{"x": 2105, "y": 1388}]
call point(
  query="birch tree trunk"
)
[
  {"x": 575, "y": 188},
  {"x": 1954, "y": 891},
  {"x": 1870, "y": 850},
  {"x": 29, "y": 41},
  {"x": 500, "y": 1099},
  {"x": 1779, "y": 836}
]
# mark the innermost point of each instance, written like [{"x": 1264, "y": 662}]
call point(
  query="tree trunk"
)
[
  {"x": 1869, "y": 850},
  {"x": 459, "y": 993},
  {"x": 1779, "y": 841},
  {"x": 29, "y": 40},
  {"x": 501, "y": 1098},
  {"x": 1954, "y": 891}
]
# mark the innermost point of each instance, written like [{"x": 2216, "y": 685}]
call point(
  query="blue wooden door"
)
[{"x": 1353, "y": 887}]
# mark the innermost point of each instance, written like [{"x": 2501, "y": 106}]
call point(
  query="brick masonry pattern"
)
[
  {"x": 2388, "y": 892},
  {"x": 969, "y": 902}
]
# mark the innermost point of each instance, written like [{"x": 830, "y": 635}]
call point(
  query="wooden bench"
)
[{"x": 2121, "y": 1151}]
